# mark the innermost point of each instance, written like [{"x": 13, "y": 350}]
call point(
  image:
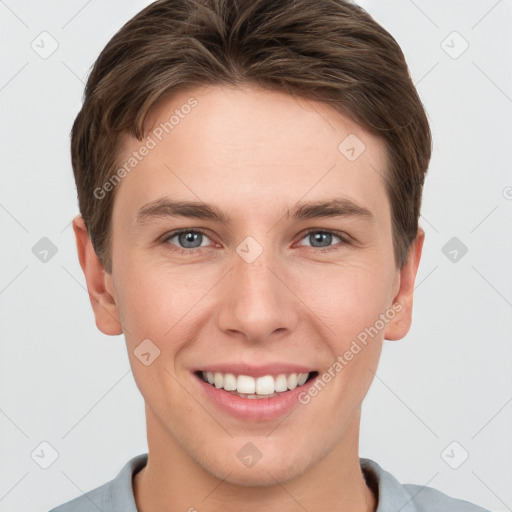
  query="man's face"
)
[{"x": 257, "y": 295}]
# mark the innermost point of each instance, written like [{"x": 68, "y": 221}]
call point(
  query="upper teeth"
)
[{"x": 266, "y": 385}]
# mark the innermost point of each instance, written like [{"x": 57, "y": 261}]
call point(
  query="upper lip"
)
[{"x": 255, "y": 371}]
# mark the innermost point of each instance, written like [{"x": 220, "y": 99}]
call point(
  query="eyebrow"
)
[{"x": 339, "y": 207}]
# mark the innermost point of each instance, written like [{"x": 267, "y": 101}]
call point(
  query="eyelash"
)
[{"x": 341, "y": 235}]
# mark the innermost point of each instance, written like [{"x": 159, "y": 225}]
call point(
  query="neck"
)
[{"x": 172, "y": 481}]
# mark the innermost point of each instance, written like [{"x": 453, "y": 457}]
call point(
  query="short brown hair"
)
[{"x": 326, "y": 50}]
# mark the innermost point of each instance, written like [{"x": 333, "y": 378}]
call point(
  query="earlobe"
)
[
  {"x": 102, "y": 300},
  {"x": 401, "y": 323}
]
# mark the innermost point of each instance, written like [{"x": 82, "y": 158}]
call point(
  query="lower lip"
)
[{"x": 255, "y": 409}]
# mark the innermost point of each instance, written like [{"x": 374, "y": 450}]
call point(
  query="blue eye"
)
[
  {"x": 187, "y": 238},
  {"x": 322, "y": 239},
  {"x": 191, "y": 240}
]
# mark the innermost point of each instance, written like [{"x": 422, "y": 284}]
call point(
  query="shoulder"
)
[
  {"x": 392, "y": 495},
  {"x": 92, "y": 500},
  {"x": 433, "y": 500},
  {"x": 113, "y": 496}
]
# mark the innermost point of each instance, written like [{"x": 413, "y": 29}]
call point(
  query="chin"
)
[{"x": 267, "y": 471}]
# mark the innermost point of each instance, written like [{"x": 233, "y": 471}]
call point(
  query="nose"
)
[{"x": 257, "y": 302}]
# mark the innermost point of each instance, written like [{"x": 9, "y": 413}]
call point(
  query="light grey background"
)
[{"x": 65, "y": 383}]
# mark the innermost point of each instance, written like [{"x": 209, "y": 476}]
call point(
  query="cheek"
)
[
  {"x": 162, "y": 301},
  {"x": 158, "y": 300},
  {"x": 159, "y": 308},
  {"x": 348, "y": 298},
  {"x": 351, "y": 301}
]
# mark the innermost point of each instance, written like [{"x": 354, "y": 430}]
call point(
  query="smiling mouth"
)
[{"x": 266, "y": 386}]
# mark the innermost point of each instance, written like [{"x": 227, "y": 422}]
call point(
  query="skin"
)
[{"x": 253, "y": 153}]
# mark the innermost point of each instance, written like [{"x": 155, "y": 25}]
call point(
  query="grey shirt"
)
[{"x": 117, "y": 495}]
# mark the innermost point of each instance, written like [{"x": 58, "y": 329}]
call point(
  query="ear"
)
[
  {"x": 99, "y": 282},
  {"x": 399, "y": 326}
]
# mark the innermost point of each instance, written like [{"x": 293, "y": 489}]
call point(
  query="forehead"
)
[{"x": 247, "y": 145}]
